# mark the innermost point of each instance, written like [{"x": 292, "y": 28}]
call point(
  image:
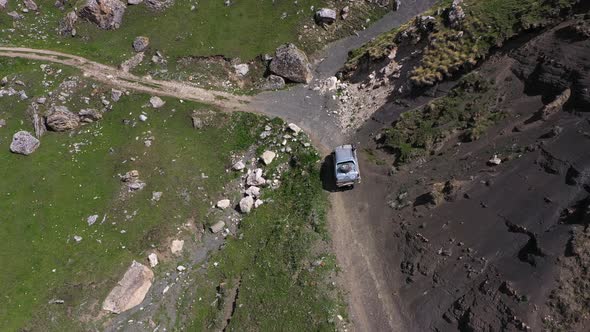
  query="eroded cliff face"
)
[{"x": 492, "y": 230}]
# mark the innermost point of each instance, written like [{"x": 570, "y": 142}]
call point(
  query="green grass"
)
[
  {"x": 245, "y": 29},
  {"x": 467, "y": 111},
  {"x": 487, "y": 24},
  {"x": 47, "y": 196}
]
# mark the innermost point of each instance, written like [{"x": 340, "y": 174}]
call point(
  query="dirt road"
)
[{"x": 359, "y": 219}]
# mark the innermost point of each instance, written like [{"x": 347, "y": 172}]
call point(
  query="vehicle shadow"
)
[{"x": 328, "y": 177}]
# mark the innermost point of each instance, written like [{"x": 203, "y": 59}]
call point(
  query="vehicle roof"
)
[{"x": 344, "y": 153}]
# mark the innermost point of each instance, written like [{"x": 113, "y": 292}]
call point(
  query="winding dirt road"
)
[{"x": 357, "y": 217}]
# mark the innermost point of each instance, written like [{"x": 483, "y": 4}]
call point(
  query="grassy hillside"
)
[
  {"x": 448, "y": 49},
  {"x": 48, "y": 196}
]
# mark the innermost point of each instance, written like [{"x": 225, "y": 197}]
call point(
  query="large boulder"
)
[
  {"x": 246, "y": 204},
  {"x": 291, "y": 63},
  {"x": 130, "y": 290},
  {"x": 107, "y": 14},
  {"x": 24, "y": 143},
  {"x": 141, "y": 43},
  {"x": 325, "y": 16},
  {"x": 61, "y": 119}
]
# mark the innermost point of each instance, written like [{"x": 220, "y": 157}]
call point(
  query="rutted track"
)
[{"x": 118, "y": 78}]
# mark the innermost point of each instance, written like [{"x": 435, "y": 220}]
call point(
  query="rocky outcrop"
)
[
  {"x": 130, "y": 290},
  {"x": 61, "y": 119},
  {"x": 291, "y": 63},
  {"x": 107, "y": 14},
  {"x": 273, "y": 82},
  {"x": 24, "y": 143},
  {"x": 141, "y": 43},
  {"x": 67, "y": 26}
]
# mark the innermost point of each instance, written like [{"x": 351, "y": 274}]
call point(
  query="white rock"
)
[
  {"x": 217, "y": 227},
  {"x": 142, "y": 118},
  {"x": 253, "y": 191},
  {"x": 258, "y": 202},
  {"x": 157, "y": 102},
  {"x": 156, "y": 195},
  {"x": 294, "y": 128},
  {"x": 180, "y": 268},
  {"x": 495, "y": 160},
  {"x": 92, "y": 219},
  {"x": 130, "y": 290},
  {"x": 77, "y": 238},
  {"x": 268, "y": 156},
  {"x": 246, "y": 204},
  {"x": 153, "y": 259},
  {"x": 255, "y": 178},
  {"x": 223, "y": 204},
  {"x": 238, "y": 166},
  {"x": 176, "y": 246},
  {"x": 242, "y": 69}
]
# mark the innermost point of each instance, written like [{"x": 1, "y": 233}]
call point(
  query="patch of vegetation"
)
[
  {"x": 467, "y": 111},
  {"x": 487, "y": 24},
  {"x": 278, "y": 261},
  {"x": 47, "y": 196}
]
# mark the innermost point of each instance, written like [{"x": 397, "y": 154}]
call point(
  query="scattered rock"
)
[
  {"x": 255, "y": 178},
  {"x": 273, "y": 82},
  {"x": 153, "y": 259},
  {"x": 130, "y": 290},
  {"x": 24, "y": 143},
  {"x": 257, "y": 203},
  {"x": 345, "y": 12},
  {"x": 455, "y": 14},
  {"x": 61, "y": 119},
  {"x": 107, "y": 14},
  {"x": 180, "y": 268},
  {"x": 217, "y": 227},
  {"x": 92, "y": 219},
  {"x": 197, "y": 121},
  {"x": 156, "y": 195},
  {"x": 31, "y": 5},
  {"x": 134, "y": 2},
  {"x": 268, "y": 156},
  {"x": 294, "y": 128},
  {"x": 157, "y": 102},
  {"x": 291, "y": 63},
  {"x": 176, "y": 247},
  {"x": 143, "y": 118},
  {"x": 141, "y": 43},
  {"x": 238, "y": 166},
  {"x": 242, "y": 69},
  {"x": 116, "y": 95},
  {"x": 253, "y": 191},
  {"x": 325, "y": 16},
  {"x": 77, "y": 238},
  {"x": 132, "y": 62},
  {"x": 223, "y": 204},
  {"x": 14, "y": 15},
  {"x": 246, "y": 204},
  {"x": 494, "y": 161},
  {"x": 89, "y": 115},
  {"x": 158, "y": 5},
  {"x": 132, "y": 180},
  {"x": 3, "y": 4},
  {"x": 2, "y": 123}
]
